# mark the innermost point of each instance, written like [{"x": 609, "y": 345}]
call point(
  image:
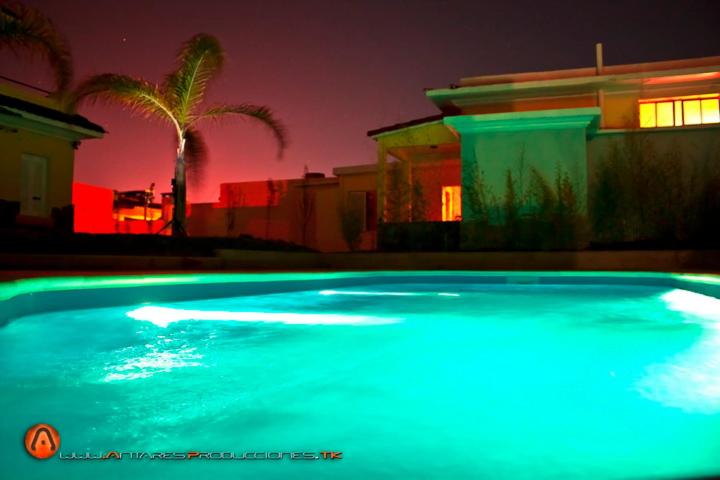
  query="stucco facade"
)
[
  {"x": 557, "y": 124},
  {"x": 38, "y": 141},
  {"x": 554, "y": 125}
]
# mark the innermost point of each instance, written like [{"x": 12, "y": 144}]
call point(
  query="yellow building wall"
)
[
  {"x": 358, "y": 182},
  {"x": 285, "y": 217},
  {"x": 620, "y": 110},
  {"x": 59, "y": 154},
  {"x": 327, "y": 236},
  {"x": 532, "y": 104}
]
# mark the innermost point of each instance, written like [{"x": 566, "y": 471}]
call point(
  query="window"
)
[
  {"x": 451, "y": 203},
  {"x": 679, "y": 111}
]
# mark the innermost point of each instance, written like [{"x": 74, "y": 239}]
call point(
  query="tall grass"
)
[
  {"x": 480, "y": 204},
  {"x": 531, "y": 214},
  {"x": 643, "y": 195}
]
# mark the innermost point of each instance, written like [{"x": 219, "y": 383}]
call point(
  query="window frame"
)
[{"x": 679, "y": 110}]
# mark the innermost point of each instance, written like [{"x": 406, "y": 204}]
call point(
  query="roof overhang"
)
[
  {"x": 429, "y": 132},
  {"x": 21, "y": 114},
  {"x": 585, "y": 118},
  {"x": 14, "y": 119},
  {"x": 417, "y": 122},
  {"x": 461, "y": 97}
]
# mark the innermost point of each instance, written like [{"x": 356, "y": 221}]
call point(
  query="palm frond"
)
[
  {"x": 258, "y": 112},
  {"x": 198, "y": 61},
  {"x": 139, "y": 96},
  {"x": 26, "y": 28},
  {"x": 196, "y": 156}
]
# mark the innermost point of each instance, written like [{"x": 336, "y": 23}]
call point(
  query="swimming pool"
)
[{"x": 408, "y": 374}]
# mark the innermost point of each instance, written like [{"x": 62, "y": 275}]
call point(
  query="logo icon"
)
[{"x": 42, "y": 441}]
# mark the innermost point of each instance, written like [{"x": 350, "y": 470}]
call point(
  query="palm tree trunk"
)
[{"x": 180, "y": 197}]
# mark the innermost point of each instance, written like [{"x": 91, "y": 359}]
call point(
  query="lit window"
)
[
  {"x": 647, "y": 115},
  {"x": 665, "y": 114},
  {"x": 691, "y": 112},
  {"x": 710, "y": 110},
  {"x": 679, "y": 111},
  {"x": 451, "y": 203}
]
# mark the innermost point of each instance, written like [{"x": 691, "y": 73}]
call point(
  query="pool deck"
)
[{"x": 13, "y": 266}]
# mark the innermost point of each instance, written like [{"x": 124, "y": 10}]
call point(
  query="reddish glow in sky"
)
[{"x": 334, "y": 69}]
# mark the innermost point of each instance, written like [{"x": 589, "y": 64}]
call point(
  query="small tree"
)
[
  {"x": 397, "y": 197},
  {"x": 306, "y": 207},
  {"x": 235, "y": 200},
  {"x": 418, "y": 208},
  {"x": 351, "y": 223},
  {"x": 481, "y": 203},
  {"x": 272, "y": 193}
]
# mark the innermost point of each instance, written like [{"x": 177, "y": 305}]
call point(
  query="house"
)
[
  {"x": 37, "y": 150},
  {"x": 493, "y": 132},
  {"x": 479, "y": 173}
]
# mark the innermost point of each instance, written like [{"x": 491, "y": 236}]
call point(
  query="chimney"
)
[{"x": 599, "y": 71}]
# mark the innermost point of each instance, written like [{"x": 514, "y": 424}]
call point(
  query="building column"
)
[
  {"x": 381, "y": 181},
  {"x": 409, "y": 186}
]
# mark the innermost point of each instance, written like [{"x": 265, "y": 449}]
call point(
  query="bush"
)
[
  {"x": 536, "y": 216},
  {"x": 351, "y": 224},
  {"x": 643, "y": 196}
]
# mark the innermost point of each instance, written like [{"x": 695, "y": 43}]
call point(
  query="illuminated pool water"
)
[{"x": 407, "y": 376}]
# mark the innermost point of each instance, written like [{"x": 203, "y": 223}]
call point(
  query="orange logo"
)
[{"x": 42, "y": 441}]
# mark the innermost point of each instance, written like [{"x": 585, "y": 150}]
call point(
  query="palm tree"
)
[
  {"x": 179, "y": 102},
  {"x": 25, "y": 28}
]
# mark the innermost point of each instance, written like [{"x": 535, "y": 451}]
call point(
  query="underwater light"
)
[
  {"x": 163, "y": 316},
  {"x": 692, "y": 303}
]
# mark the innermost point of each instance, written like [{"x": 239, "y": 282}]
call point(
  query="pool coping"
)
[
  {"x": 586, "y": 260},
  {"x": 28, "y": 296}
]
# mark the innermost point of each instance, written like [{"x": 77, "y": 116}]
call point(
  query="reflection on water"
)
[
  {"x": 689, "y": 380},
  {"x": 163, "y": 316}
]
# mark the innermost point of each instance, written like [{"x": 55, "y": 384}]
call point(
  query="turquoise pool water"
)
[{"x": 407, "y": 380}]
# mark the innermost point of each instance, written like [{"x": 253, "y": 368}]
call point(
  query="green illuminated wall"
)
[{"x": 549, "y": 141}]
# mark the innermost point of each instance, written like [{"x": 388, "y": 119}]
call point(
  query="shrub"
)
[{"x": 351, "y": 224}]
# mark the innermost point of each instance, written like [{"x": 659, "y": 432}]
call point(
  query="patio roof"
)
[{"x": 403, "y": 125}]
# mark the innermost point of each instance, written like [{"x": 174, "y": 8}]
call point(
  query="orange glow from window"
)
[
  {"x": 679, "y": 111},
  {"x": 693, "y": 77},
  {"x": 138, "y": 213},
  {"x": 684, "y": 97},
  {"x": 451, "y": 203}
]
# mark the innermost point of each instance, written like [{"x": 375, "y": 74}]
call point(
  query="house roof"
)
[
  {"x": 669, "y": 65},
  {"x": 409, "y": 123},
  {"x": 17, "y": 104},
  {"x": 579, "y": 81}
]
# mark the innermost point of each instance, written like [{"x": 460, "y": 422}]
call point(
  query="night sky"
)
[{"x": 334, "y": 69}]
